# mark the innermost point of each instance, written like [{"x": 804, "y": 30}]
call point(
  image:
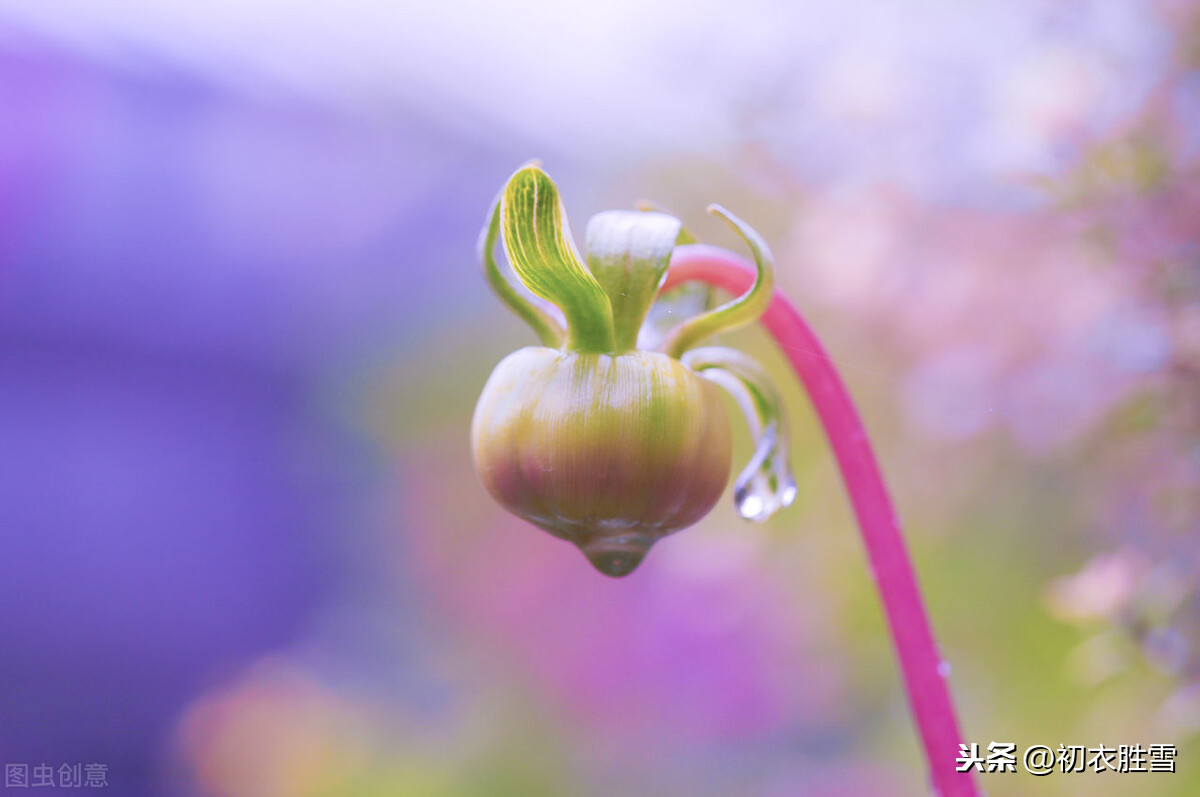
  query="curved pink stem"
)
[{"x": 922, "y": 666}]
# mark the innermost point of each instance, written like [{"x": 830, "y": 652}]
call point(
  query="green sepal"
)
[
  {"x": 628, "y": 253},
  {"x": 548, "y": 330},
  {"x": 744, "y": 309},
  {"x": 537, "y": 238}
]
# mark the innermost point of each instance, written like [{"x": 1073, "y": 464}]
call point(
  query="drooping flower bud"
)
[
  {"x": 589, "y": 438},
  {"x": 610, "y": 452}
]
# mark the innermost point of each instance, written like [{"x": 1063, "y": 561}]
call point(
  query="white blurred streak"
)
[
  {"x": 944, "y": 99},
  {"x": 588, "y": 73}
]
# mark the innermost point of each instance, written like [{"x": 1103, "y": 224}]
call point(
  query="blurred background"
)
[{"x": 242, "y": 331}]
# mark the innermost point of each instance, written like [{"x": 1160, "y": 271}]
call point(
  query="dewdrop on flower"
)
[{"x": 590, "y": 438}]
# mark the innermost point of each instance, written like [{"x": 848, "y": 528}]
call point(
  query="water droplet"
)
[
  {"x": 616, "y": 557},
  {"x": 766, "y": 485},
  {"x": 750, "y": 505},
  {"x": 943, "y": 669}
]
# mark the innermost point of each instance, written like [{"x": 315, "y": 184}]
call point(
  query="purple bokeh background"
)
[{"x": 180, "y": 269}]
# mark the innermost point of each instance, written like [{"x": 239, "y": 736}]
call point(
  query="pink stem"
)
[{"x": 922, "y": 666}]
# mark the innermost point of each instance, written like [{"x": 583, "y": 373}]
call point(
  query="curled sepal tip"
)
[
  {"x": 537, "y": 238},
  {"x": 548, "y": 330},
  {"x": 766, "y": 484},
  {"x": 742, "y": 310}
]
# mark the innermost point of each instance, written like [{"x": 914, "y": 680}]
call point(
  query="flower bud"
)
[
  {"x": 598, "y": 442},
  {"x": 610, "y": 452}
]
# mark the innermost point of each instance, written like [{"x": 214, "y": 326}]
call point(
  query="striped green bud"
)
[{"x": 609, "y": 452}]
